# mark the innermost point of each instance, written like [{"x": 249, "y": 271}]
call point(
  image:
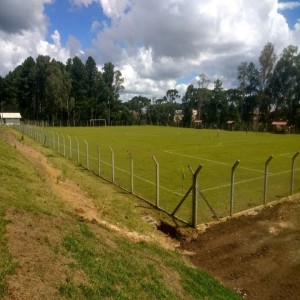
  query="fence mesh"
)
[{"x": 165, "y": 188}]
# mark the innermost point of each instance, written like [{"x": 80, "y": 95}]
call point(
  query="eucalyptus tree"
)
[
  {"x": 284, "y": 85},
  {"x": 113, "y": 86},
  {"x": 248, "y": 76},
  {"x": 215, "y": 108},
  {"x": 139, "y": 107},
  {"x": 172, "y": 95},
  {"x": 203, "y": 92},
  {"x": 189, "y": 102},
  {"x": 267, "y": 61}
]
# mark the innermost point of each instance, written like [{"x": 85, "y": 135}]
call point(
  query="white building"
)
[{"x": 10, "y": 119}]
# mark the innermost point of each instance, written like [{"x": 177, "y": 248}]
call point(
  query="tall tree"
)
[
  {"x": 267, "y": 61},
  {"x": 26, "y": 88},
  {"x": 172, "y": 95},
  {"x": 284, "y": 84},
  {"x": 189, "y": 102}
]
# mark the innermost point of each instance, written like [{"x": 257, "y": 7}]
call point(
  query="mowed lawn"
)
[{"x": 175, "y": 149}]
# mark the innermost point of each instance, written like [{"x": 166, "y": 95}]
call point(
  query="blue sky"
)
[
  {"x": 156, "y": 44},
  {"x": 74, "y": 20},
  {"x": 291, "y": 15}
]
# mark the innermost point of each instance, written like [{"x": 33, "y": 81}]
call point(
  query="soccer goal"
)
[{"x": 97, "y": 122}]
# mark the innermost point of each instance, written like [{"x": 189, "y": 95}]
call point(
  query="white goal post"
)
[{"x": 97, "y": 122}]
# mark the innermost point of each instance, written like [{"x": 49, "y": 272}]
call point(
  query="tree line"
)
[{"x": 48, "y": 90}]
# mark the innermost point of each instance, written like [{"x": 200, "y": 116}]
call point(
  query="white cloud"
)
[
  {"x": 95, "y": 26},
  {"x": 167, "y": 40},
  {"x": 82, "y": 2},
  {"x": 288, "y": 5},
  {"x": 156, "y": 44},
  {"x": 54, "y": 50},
  {"x": 114, "y": 9}
]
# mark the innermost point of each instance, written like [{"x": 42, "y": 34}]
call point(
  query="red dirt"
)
[{"x": 256, "y": 255}]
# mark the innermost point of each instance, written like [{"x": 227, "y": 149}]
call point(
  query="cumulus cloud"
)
[
  {"x": 157, "y": 45},
  {"x": 23, "y": 28},
  {"x": 165, "y": 40},
  {"x": 288, "y": 5},
  {"x": 17, "y": 16}
]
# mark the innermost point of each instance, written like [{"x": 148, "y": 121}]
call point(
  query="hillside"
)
[{"x": 64, "y": 233}]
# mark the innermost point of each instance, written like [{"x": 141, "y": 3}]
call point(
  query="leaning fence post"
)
[
  {"x": 77, "y": 142},
  {"x": 292, "y": 175},
  {"x": 112, "y": 164},
  {"x": 157, "y": 181},
  {"x": 232, "y": 185},
  {"x": 266, "y": 178},
  {"x": 87, "y": 154},
  {"x": 195, "y": 195}
]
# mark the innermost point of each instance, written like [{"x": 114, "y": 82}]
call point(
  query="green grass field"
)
[{"x": 178, "y": 148}]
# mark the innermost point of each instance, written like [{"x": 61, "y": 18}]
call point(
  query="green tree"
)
[
  {"x": 26, "y": 88},
  {"x": 58, "y": 89},
  {"x": 39, "y": 104},
  {"x": 172, "y": 95},
  {"x": 284, "y": 85},
  {"x": 215, "y": 109},
  {"x": 189, "y": 102}
]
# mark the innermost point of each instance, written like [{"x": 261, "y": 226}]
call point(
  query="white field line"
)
[
  {"x": 180, "y": 194},
  {"x": 247, "y": 180},
  {"x": 288, "y": 155},
  {"x": 213, "y": 161}
]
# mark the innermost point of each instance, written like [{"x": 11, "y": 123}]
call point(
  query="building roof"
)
[
  {"x": 279, "y": 123},
  {"x": 10, "y": 115}
]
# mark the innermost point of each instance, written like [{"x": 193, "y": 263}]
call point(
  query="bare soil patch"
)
[{"x": 255, "y": 255}]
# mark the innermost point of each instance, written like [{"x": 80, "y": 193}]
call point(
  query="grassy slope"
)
[{"x": 114, "y": 266}]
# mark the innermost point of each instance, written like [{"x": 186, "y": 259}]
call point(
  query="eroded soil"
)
[{"x": 256, "y": 255}]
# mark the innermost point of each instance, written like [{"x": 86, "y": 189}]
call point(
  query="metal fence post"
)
[
  {"x": 232, "y": 186},
  {"x": 292, "y": 175},
  {"x": 77, "y": 142},
  {"x": 70, "y": 146},
  {"x": 112, "y": 164},
  {"x": 99, "y": 161},
  {"x": 58, "y": 150},
  {"x": 266, "y": 178},
  {"x": 53, "y": 141},
  {"x": 64, "y": 143},
  {"x": 131, "y": 173},
  {"x": 87, "y": 154},
  {"x": 157, "y": 181},
  {"x": 195, "y": 195}
]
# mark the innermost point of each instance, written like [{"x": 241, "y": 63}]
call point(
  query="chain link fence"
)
[{"x": 184, "y": 195}]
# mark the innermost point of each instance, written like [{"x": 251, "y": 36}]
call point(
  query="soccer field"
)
[{"x": 176, "y": 149}]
